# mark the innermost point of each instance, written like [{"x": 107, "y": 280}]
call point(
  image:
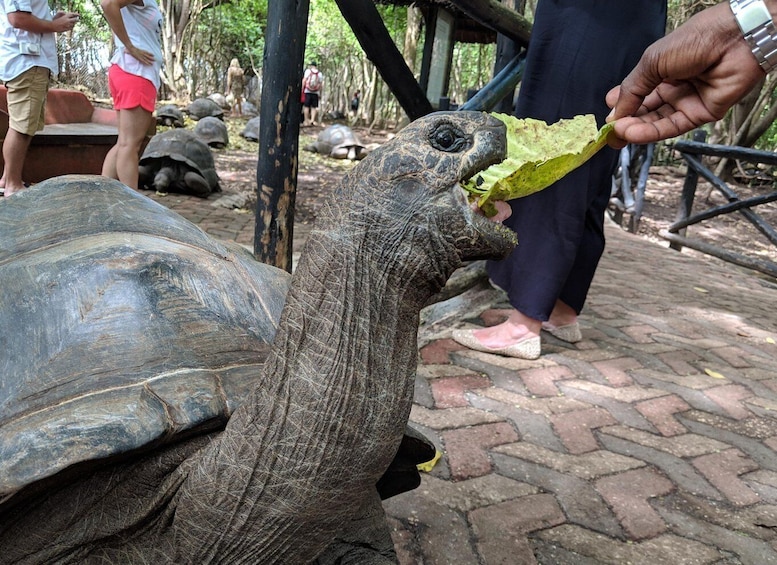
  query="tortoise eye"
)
[{"x": 448, "y": 138}]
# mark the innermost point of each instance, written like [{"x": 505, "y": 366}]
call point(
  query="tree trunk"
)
[
  {"x": 276, "y": 173},
  {"x": 412, "y": 34}
]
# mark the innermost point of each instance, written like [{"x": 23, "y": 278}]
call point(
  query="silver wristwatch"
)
[{"x": 756, "y": 24}]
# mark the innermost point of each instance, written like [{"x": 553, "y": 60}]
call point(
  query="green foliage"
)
[
  {"x": 241, "y": 26},
  {"x": 768, "y": 141},
  {"x": 84, "y": 51},
  {"x": 329, "y": 38}
]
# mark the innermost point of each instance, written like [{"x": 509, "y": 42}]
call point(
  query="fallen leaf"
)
[
  {"x": 714, "y": 374},
  {"x": 429, "y": 465}
]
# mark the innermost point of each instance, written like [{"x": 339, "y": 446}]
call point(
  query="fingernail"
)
[{"x": 610, "y": 116}]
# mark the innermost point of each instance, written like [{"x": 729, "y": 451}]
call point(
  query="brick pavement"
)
[{"x": 653, "y": 440}]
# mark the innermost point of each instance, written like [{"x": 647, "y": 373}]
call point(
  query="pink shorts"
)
[{"x": 130, "y": 91}]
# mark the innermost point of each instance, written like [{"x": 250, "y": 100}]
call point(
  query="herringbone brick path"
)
[{"x": 654, "y": 440}]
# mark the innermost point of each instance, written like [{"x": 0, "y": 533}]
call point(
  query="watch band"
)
[{"x": 757, "y": 26}]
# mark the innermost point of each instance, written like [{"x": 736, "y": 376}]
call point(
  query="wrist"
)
[{"x": 754, "y": 19}]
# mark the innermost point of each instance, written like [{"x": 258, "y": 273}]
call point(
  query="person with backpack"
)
[{"x": 312, "y": 82}]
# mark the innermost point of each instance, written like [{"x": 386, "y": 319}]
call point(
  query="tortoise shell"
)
[
  {"x": 182, "y": 146},
  {"x": 124, "y": 326},
  {"x": 213, "y": 132},
  {"x": 170, "y": 115},
  {"x": 203, "y": 107},
  {"x": 251, "y": 129},
  {"x": 219, "y": 99},
  {"x": 338, "y": 141}
]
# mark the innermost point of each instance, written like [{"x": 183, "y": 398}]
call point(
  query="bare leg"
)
[
  {"x": 562, "y": 315},
  {"x": 122, "y": 160},
  {"x": 109, "y": 164},
  {"x": 14, "y": 151},
  {"x": 306, "y": 113}
]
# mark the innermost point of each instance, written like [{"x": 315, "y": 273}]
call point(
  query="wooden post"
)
[
  {"x": 506, "y": 49},
  {"x": 276, "y": 172}
]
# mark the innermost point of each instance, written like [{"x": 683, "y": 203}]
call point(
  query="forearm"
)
[
  {"x": 112, "y": 11},
  {"x": 27, "y": 22}
]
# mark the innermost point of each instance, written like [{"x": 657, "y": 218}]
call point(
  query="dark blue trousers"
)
[{"x": 579, "y": 50}]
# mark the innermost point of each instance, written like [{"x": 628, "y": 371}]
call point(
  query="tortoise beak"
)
[{"x": 486, "y": 238}]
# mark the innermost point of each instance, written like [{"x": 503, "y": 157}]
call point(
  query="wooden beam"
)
[
  {"x": 500, "y": 18},
  {"x": 368, "y": 27},
  {"x": 499, "y": 87},
  {"x": 276, "y": 171}
]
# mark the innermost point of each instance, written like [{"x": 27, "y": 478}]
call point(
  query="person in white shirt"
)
[
  {"x": 133, "y": 79},
  {"x": 28, "y": 59}
]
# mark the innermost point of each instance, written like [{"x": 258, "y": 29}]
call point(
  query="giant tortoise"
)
[
  {"x": 143, "y": 416},
  {"x": 219, "y": 99},
  {"x": 213, "y": 132},
  {"x": 170, "y": 115},
  {"x": 177, "y": 160},
  {"x": 202, "y": 107},
  {"x": 251, "y": 129},
  {"x": 339, "y": 142}
]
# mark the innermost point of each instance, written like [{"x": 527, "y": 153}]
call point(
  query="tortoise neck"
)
[{"x": 330, "y": 408}]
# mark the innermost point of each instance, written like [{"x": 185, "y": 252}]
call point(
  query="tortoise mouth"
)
[
  {"x": 492, "y": 239},
  {"x": 495, "y": 240}
]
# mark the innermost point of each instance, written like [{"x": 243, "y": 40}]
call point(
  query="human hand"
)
[
  {"x": 686, "y": 79},
  {"x": 141, "y": 55},
  {"x": 503, "y": 211},
  {"x": 64, "y": 21}
]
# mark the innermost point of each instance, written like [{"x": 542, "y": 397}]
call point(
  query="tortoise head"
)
[{"x": 408, "y": 190}]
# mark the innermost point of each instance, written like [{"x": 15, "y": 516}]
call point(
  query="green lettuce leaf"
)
[{"x": 538, "y": 155}]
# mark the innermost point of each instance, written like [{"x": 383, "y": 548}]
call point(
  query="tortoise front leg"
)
[{"x": 365, "y": 540}]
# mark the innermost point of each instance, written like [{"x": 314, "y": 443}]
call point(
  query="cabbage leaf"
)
[{"x": 538, "y": 155}]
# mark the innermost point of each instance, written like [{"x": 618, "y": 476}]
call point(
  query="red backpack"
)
[{"x": 314, "y": 81}]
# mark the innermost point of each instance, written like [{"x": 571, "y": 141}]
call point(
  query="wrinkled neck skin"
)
[{"x": 337, "y": 393}]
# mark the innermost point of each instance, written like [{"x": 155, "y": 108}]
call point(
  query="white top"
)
[
  {"x": 144, "y": 27},
  {"x": 305, "y": 76},
  {"x": 12, "y": 61}
]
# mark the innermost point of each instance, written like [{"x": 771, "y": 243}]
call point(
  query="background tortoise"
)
[
  {"x": 177, "y": 160},
  {"x": 292, "y": 476},
  {"x": 340, "y": 142},
  {"x": 251, "y": 129},
  {"x": 202, "y": 107},
  {"x": 249, "y": 108},
  {"x": 220, "y": 99},
  {"x": 213, "y": 132},
  {"x": 170, "y": 115}
]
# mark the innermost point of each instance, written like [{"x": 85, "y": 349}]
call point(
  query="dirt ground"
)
[{"x": 317, "y": 175}]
